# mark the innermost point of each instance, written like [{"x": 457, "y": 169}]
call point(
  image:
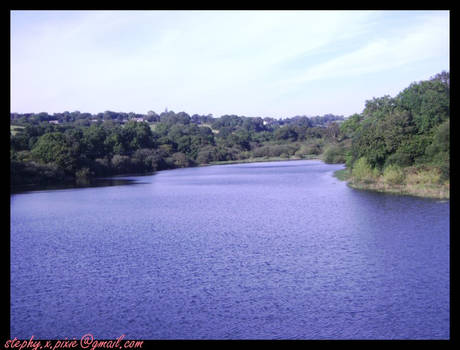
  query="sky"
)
[{"x": 254, "y": 63}]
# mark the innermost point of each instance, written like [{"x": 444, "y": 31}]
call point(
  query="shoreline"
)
[
  {"x": 421, "y": 191},
  {"x": 119, "y": 178},
  {"x": 432, "y": 191},
  {"x": 259, "y": 160}
]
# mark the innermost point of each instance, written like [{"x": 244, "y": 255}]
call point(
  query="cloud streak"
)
[
  {"x": 212, "y": 61},
  {"x": 427, "y": 40}
]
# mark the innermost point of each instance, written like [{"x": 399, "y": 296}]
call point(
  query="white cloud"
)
[
  {"x": 425, "y": 41},
  {"x": 200, "y": 61}
]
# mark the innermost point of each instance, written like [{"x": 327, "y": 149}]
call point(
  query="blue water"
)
[{"x": 278, "y": 250}]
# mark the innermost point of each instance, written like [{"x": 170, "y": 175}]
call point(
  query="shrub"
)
[
  {"x": 82, "y": 176},
  {"x": 260, "y": 151},
  {"x": 393, "y": 175},
  {"x": 400, "y": 159},
  {"x": 180, "y": 160},
  {"x": 313, "y": 149},
  {"x": 278, "y": 150},
  {"x": 424, "y": 177},
  {"x": 362, "y": 170},
  {"x": 334, "y": 154},
  {"x": 35, "y": 173},
  {"x": 120, "y": 164},
  {"x": 101, "y": 166},
  {"x": 83, "y": 173},
  {"x": 376, "y": 173}
]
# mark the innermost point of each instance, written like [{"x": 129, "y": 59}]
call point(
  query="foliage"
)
[
  {"x": 363, "y": 171},
  {"x": 393, "y": 175},
  {"x": 56, "y": 148},
  {"x": 350, "y": 125},
  {"x": 390, "y": 135},
  {"x": 334, "y": 154},
  {"x": 35, "y": 173},
  {"x": 439, "y": 150},
  {"x": 410, "y": 129}
]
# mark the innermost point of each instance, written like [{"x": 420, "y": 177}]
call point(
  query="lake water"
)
[{"x": 279, "y": 250}]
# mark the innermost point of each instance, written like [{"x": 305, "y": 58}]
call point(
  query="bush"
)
[
  {"x": 314, "y": 149},
  {"x": 146, "y": 160},
  {"x": 260, "y": 152},
  {"x": 306, "y": 150},
  {"x": 82, "y": 176},
  {"x": 120, "y": 164},
  {"x": 400, "y": 159},
  {"x": 334, "y": 154},
  {"x": 431, "y": 176},
  {"x": 23, "y": 173},
  {"x": 362, "y": 170},
  {"x": 393, "y": 175},
  {"x": 278, "y": 150},
  {"x": 101, "y": 166},
  {"x": 375, "y": 173},
  {"x": 180, "y": 160},
  {"x": 440, "y": 142},
  {"x": 83, "y": 173}
]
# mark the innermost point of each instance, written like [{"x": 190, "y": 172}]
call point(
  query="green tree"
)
[
  {"x": 136, "y": 135},
  {"x": 334, "y": 154},
  {"x": 427, "y": 101},
  {"x": 55, "y": 148},
  {"x": 350, "y": 125},
  {"x": 93, "y": 141}
]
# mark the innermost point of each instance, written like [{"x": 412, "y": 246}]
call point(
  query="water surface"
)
[{"x": 279, "y": 250}]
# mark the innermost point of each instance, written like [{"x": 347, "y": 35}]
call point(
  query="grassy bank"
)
[{"x": 421, "y": 182}]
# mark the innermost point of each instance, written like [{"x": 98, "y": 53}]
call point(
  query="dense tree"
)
[
  {"x": 350, "y": 125},
  {"x": 427, "y": 102},
  {"x": 56, "y": 148},
  {"x": 409, "y": 129}
]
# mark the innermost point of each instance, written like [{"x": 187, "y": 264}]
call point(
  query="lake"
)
[{"x": 274, "y": 250}]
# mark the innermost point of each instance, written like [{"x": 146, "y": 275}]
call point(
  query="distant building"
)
[{"x": 54, "y": 121}]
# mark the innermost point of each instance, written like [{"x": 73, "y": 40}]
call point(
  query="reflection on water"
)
[{"x": 98, "y": 182}]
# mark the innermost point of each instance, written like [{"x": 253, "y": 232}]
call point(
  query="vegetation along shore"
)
[{"x": 397, "y": 144}]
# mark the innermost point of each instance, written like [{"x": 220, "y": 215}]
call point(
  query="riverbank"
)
[
  {"x": 417, "y": 183},
  {"x": 115, "y": 180},
  {"x": 262, "y": 159}
]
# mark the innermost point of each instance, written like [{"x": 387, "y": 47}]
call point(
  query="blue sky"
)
[{"x": 252, "y": 63}]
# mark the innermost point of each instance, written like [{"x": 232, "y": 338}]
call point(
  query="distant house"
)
[
  {"x": 138, "y": 119},
  {"x": 269, "y": 121},
  {"x": 54, "y": 121}
]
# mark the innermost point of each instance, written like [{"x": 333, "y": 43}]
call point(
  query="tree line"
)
[
  {"x": 68, "y": 147},
  {"x": 393, "y": 138},
  {"x": 403, "y": 139}
]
